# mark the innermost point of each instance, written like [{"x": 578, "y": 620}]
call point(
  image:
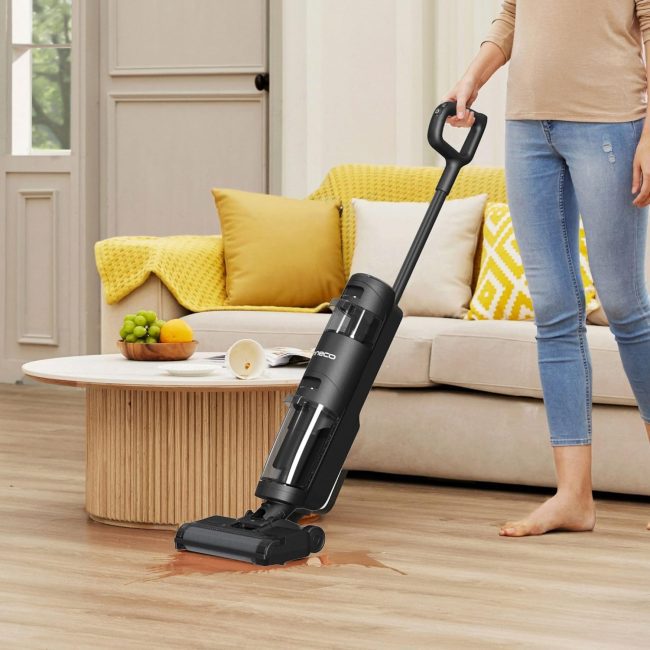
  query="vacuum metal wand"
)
[{"x": 418, "y": 244}]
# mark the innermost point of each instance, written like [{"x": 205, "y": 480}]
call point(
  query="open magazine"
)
[{"x": 279, "y": 356}]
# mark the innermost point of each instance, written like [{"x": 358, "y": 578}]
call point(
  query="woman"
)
[{"x": 576, "y": 143}]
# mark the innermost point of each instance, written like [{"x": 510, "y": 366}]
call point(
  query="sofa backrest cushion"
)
[
  {"x": 280, "y": 251},
  {"x": 400, "y": 183},
  {"x": 441, "y": 281}
]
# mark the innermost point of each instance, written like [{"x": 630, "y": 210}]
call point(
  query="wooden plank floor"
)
[{"x": 448, "y": 580}]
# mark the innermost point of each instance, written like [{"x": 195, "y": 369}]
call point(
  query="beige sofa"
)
[{"x": 455, "y": 399}]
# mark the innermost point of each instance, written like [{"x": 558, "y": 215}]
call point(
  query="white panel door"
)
[{"x": 180, "y": 111}]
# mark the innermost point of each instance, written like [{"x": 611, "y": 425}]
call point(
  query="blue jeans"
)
[{"x": 556, "y": 171}]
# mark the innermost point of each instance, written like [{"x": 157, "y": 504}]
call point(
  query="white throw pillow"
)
[{"x": 441, "y": 282}]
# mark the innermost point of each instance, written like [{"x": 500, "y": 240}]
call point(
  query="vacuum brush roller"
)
[{"x": 274, "y": 543}]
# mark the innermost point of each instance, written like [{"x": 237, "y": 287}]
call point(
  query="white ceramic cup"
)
[{"x": 246, "y": 359}]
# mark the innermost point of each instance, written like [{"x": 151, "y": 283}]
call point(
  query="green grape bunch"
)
[{"x": 143, "y": 327}]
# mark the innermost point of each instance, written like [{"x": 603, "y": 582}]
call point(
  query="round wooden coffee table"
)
[{"x": 162, "y": 450}]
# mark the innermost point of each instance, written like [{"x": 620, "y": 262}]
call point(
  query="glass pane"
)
[
  {"x": 51, "y": 98},
  {"x": 51, "y": 22}
]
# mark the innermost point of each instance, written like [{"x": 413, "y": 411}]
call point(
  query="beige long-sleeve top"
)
[{"x": 576, "y": 60}]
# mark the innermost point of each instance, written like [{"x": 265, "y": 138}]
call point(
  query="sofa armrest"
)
[{"x": 153, "y": 294}]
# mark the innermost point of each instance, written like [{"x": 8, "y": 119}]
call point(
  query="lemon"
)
[{"x": 176, "y": 331}]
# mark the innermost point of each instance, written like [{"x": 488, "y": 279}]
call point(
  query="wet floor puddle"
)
[{"x": 184, "y": 563}]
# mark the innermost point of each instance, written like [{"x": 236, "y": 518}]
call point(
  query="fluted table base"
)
[{"x": 158, "y": 458}]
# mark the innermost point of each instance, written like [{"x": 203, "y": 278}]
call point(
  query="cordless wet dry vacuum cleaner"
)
[{"x": 303, "y": 473}]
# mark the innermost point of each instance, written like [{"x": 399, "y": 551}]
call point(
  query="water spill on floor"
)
[
  {"x": 183, "y": 563},
  {"x": 309, "y": 519}
]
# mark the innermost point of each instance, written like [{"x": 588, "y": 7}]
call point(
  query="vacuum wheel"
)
[{"x": 316, "y": 538}]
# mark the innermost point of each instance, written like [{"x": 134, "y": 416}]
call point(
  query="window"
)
[{"x": 41, "y": 38}]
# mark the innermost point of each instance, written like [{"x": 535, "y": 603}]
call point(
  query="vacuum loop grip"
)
[{"x": 437, "y": 124}]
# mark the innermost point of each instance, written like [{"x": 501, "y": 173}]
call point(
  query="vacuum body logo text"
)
[{"x": 327, "y": 355}]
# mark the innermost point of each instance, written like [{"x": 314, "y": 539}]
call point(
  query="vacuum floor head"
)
[{"x": 263, "y": 543}]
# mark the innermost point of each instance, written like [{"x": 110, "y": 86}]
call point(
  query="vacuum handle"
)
[
  {"x": 454, "y": 159},
  {"x": 437, "y": 124}
]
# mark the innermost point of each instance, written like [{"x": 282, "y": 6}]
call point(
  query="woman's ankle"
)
[
  {"x": 573, "y": 470},
  {"x": 576, "y": 493}
]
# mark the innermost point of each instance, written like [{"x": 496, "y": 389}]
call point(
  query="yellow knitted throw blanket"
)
[{"x": 192, "y": 266}]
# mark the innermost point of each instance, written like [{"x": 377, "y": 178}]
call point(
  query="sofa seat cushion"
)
[
  {"x": 406, "y": 364},
  {"x": 501, "y": 357}
]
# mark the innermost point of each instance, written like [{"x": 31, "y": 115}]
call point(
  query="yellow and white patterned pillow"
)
[{"x": 502, "y": 289}]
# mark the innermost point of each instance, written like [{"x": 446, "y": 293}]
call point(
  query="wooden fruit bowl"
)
[{"x": 157, "y": 351}]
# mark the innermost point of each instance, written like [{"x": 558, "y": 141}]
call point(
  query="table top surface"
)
[{"x": 115, "y": 370}]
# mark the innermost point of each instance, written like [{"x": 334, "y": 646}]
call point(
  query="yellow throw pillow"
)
[
  {"x": 502, "y": 289},
  {"x": 280, "y": 251}
]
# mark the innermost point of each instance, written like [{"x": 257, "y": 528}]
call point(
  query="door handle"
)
[{"x": 262, "y": 81}]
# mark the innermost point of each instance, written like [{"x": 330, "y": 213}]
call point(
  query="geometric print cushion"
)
[{"x": 502, "y": 289}]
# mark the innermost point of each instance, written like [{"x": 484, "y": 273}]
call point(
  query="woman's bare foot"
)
[{"x": 564, "y": 511}]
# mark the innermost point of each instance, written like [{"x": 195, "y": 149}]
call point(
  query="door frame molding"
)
[{"x": 275, "y": 13}]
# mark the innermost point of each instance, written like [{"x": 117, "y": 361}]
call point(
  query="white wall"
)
[
  {"x": 359, "y": 81},
  {"x": 461, "y": 25}
]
